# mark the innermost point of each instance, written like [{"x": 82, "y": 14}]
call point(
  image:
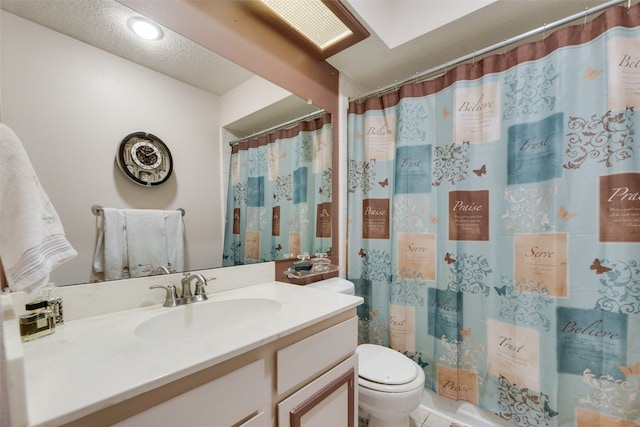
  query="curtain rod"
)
[
  {"x": 282, "y": 125},
  {"x": 546, "y": 27}
]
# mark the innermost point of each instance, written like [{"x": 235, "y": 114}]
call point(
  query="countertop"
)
[{"x": 92, "y": 363}]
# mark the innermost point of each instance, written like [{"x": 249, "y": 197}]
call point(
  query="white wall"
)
[
  {"x": 72, "y": 104},
  {"x": 242, "y": 101}
]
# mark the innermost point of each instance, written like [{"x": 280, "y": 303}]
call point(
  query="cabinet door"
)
[{"x": 330, "y": 400}]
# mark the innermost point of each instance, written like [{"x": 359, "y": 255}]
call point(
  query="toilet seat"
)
[{"x": 387, "y": 370}]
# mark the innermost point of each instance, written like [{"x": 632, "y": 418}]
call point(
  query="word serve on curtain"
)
[
  {"x": 279, "y": 196},
  {"x": 494, "y": 226}
]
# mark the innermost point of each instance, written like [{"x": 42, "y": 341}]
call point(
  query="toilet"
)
[{"x": 390, "y": 385}]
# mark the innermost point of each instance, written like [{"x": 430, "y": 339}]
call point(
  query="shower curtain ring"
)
[
  {"x": 504, "y": 52},
  {"x": 544, "y": 30},
  {"x": 586, "y": 12}
]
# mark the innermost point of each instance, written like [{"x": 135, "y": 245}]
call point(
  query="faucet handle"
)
[
  {"x": 186, "y": 286},
  {"x": 200, "y": 294},
  {"x": 200, "y": 288},
  {"x": 171, "y": 299}
]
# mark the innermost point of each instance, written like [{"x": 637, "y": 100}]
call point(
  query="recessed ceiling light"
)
[{"x": 144, "y": 28}]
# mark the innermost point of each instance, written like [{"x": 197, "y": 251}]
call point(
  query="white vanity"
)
[{"x": 264, "y": 354}]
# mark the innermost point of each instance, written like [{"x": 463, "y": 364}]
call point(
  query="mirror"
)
[{"x": 72, "y": 103}]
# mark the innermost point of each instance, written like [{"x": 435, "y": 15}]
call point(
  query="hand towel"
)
[
  {"x": 111, "y": 256},
  {"x": 98, "y": 253},
  {"x": 32, "y": 239},
  {"x": 146, "y": 240},
  {"x": 175, "y": 239}
]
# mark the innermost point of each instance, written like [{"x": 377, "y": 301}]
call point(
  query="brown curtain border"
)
[
  {"x": 271, "y": 137},
  {"x": 616, "y": 16}
]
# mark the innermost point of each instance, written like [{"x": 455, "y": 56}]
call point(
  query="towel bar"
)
[{"x": 97, "y": 210}]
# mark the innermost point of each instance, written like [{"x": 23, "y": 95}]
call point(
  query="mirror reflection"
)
[{"x": 75, "y": 81}]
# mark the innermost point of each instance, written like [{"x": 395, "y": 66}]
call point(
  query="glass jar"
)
[{"x": 55, "y": 303}]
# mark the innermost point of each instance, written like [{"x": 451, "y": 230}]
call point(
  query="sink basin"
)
[{"x": 205, "y": 318}]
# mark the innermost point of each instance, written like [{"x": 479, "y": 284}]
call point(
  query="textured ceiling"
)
[
  {"x": 103, "y": 24},
  {"x": 415, "y": 18}
]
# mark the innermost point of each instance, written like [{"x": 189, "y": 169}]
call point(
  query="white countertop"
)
[{"x": 93, "y": 363}]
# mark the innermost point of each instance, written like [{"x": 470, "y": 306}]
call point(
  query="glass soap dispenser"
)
[
  {"x": 55, "y": 303},
  {"x": 38, "y": 322}
]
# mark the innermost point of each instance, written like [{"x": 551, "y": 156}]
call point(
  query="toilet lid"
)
[{"x": 384, "y": 365}]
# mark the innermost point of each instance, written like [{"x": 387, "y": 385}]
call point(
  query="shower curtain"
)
[
  {"x": 494, "y": 226},
  {"x": 279, "y": 194}
]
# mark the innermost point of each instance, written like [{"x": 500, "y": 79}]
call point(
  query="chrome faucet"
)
[
  {"x": 186, "y": 297},
  {"x": 163, "y": 270},
  {"x": 199, "y": 295}
]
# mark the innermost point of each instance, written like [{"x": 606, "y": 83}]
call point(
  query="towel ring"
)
[{"x": 97, "y": 210}]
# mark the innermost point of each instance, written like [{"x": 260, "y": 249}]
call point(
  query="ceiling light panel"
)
[{"x": 311, "y": 18}]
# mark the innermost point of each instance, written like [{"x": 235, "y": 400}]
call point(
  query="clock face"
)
[{"x": 145, "y": 159}]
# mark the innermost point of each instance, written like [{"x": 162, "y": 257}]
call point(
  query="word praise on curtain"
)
[
  {"x": 494, "y": 226},
  {"x": 279, "y": 197}
]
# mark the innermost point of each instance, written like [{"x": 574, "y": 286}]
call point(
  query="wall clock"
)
[{"x": 145, "y": 159}]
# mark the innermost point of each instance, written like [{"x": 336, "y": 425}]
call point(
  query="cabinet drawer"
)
[
  {"x": 311, "y": 356},
  {"x": 224, "y": 401}
]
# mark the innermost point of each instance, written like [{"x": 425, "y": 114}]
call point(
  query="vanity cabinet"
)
[
  {"x": 330, "y": 399},
  {"x": 306, "y": 379},
  {"x": 327, "y": 401},
  {"x": 293, "y": 366}
]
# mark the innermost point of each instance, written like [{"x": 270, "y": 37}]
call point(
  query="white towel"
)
[
  {"x": 111, "y": 256},
  {"x": 32, "y": 239},
  {"x": 175, "y": 239},
  {"x": 146, "y": 241},
  {"x": 135, "y": 242}
]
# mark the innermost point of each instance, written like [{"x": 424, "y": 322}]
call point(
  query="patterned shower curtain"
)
[
  {"x": 279, "y": 194},
  {"x": 494, "y": 226}
]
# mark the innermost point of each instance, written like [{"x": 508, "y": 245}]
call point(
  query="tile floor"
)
[{"x": 423, "y": 418}]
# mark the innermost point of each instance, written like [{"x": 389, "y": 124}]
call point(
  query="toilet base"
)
[
  {"x": 388, "y": 409},
  {"x": 389, "y": 422}
]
